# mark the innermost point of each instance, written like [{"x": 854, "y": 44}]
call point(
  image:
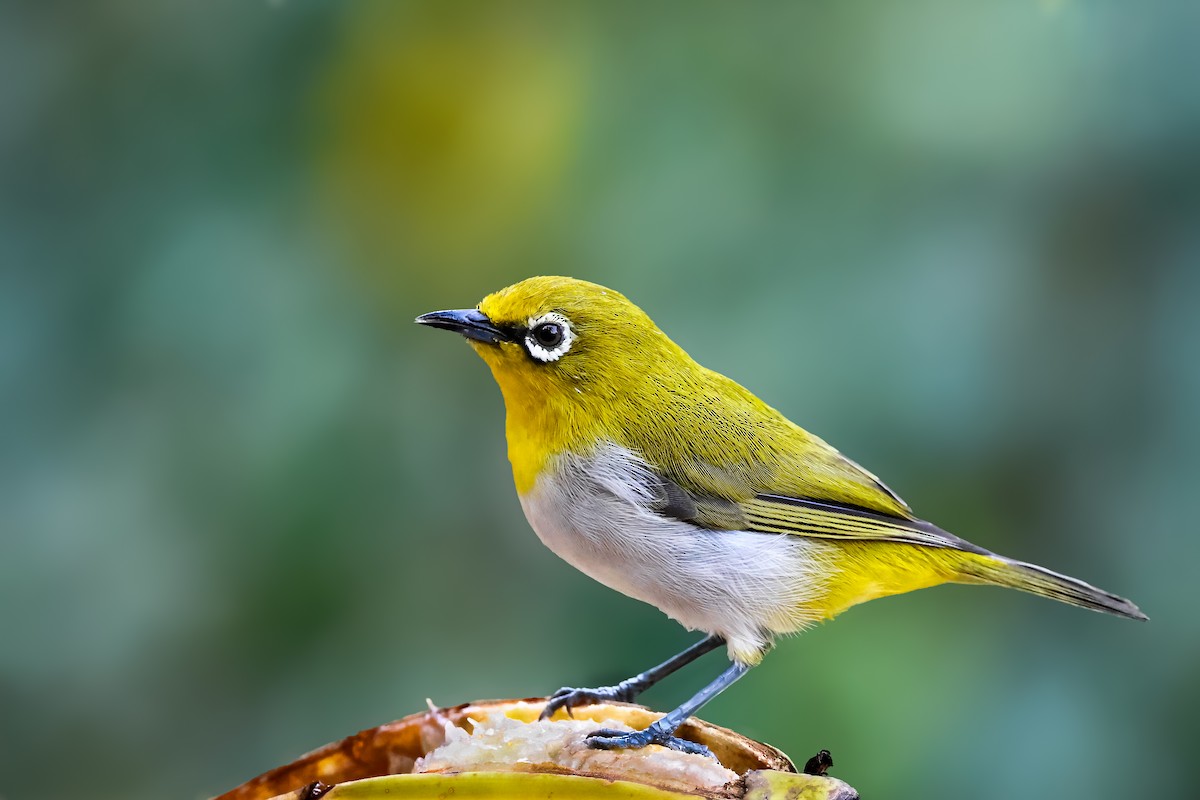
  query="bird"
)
[{"x": 674, "y": 485}]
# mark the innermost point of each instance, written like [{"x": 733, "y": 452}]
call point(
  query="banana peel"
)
[{"x": 432, "y": 755}]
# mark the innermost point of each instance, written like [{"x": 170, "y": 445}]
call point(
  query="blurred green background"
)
[{"x": 246, "y": 507}]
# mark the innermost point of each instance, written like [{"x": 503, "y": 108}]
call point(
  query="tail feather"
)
[{"x": 1037, "y": 580}]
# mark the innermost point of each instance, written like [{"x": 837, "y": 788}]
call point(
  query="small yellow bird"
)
[{"x": 674, "y": 485}]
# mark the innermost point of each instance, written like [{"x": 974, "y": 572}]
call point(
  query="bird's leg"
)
[
  {"x": 662, "y": 732},
  {"x": 627, "y": 690}
]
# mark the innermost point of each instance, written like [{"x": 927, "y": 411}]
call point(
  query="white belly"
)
[{"x": 743, "y": 585}]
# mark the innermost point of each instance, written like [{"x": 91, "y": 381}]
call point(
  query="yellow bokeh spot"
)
[{"x": 444, "y": 132}]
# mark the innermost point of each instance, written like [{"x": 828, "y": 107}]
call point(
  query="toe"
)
[
  {"x": 685, "y": 746},
  {"x": 607, "y": 739},
  {"x": 551, "y": 707},
  {"x": 613, "y": 740},
  {"x": 566, "y": 698}
]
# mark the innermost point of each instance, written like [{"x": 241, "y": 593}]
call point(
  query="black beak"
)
[{"x": 469, "y": 322}]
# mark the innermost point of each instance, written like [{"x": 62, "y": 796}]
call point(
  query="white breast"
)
[{"x": 746, "y": 586}]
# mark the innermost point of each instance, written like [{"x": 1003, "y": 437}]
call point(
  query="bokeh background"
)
[{"x": 246, "y": 507}]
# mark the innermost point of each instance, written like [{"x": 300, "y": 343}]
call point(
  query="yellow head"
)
[
  {"x": 571, "y": 337},
  {"x": 573, "y": 360}
]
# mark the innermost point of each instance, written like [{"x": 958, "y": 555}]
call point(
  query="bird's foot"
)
[
  {"x": 605, "y": 739},
  {"x": 569, "y": 698}
]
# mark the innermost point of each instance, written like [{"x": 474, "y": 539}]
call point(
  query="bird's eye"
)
[
  {"x": 549, "y": 337},
  {"x": 548, "y": 334}
]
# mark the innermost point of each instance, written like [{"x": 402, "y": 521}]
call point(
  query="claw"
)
[
  {"x": 606, "y": 739},
  {"x": 568, "y": 698}
]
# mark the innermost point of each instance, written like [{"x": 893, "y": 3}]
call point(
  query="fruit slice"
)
[{"x": 499, "y": 749}]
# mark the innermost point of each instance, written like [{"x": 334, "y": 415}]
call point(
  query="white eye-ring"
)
[{"x": 549, "y": 337}]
